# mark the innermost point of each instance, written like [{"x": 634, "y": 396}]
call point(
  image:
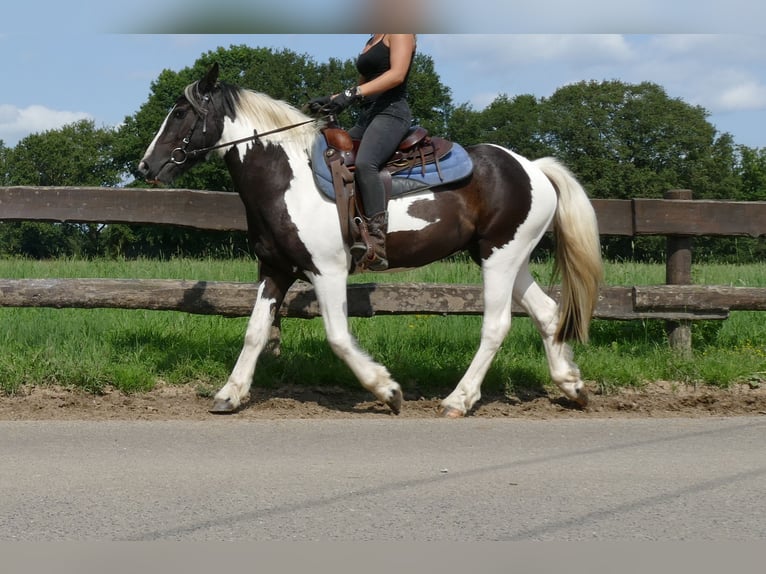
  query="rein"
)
[
  {"x": 180, "y": 154},
  {"x": 253, "y": 137},
  {"x": 184, "y": 154}
]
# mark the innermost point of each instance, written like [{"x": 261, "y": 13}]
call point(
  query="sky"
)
[{"x": 101, "y": 63}]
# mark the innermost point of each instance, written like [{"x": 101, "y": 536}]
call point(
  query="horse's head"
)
[{"x": 194, "y": 123}]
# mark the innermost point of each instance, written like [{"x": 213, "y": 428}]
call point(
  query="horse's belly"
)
[{"x": 426, "y": 227}]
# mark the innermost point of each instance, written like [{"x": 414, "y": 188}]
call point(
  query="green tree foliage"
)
[
  {"x": 513, "y": 123},
  {"x": 628, "y": 140},
  {"x": 4, "y": 175},
  {"x": 283, "y": 75},
  {"x": 78, "y": 154},
  {"x": 430, "y": 100},
  {"x": 751, "y": 169}
]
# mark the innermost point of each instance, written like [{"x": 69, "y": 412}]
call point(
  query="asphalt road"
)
[{"x": 390, "y": 480}]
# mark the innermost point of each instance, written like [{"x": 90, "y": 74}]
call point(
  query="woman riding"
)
[{"x": 384, "y": 66}]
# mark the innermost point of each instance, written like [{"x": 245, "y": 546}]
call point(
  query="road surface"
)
[{"x": 410, "y": 480}]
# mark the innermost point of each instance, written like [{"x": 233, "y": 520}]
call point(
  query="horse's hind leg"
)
[
  {"x": 331, "y": 296},
  {"x": 271, "y": 293},
  {"x": 544, "y": 313},
  {"x": 499, "y": 273}
]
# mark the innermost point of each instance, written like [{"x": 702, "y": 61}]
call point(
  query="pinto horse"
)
[{"x": 497, "y": 214}]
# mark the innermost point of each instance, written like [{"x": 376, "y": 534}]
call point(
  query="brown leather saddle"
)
[{"x": 417, "y": 150}]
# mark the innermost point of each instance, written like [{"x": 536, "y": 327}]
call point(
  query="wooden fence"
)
[{"x": 677, "y": 217}]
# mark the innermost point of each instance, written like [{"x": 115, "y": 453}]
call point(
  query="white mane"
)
[{"x": 265, "y": 113}]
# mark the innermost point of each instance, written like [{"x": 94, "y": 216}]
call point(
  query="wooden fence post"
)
[{"x": 678, "y": 271}]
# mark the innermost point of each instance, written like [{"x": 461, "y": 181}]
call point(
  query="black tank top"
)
[{"x": 375, "y": 62}]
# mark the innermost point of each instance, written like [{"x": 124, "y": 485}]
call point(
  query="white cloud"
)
[
  {"x": 743, "y": 48},
  {"x": 17, "y": 123},
  {"x": 720, "y": 72},
  {"x": 486, "y": 51},
  {"x": 746, "y": 96}
]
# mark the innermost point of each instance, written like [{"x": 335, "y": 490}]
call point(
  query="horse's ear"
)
[{"x": 207, "y": 83}]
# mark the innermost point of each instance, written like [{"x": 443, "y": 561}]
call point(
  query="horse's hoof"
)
[
  {"x": 582, "y": 398},
  {"x": 395, "y": 402},
  {"x": 222, "y": 407},
  {"x": 452, "y": 413}
]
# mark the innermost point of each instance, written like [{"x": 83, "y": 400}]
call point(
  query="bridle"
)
[{"x": 180, "y": 154}]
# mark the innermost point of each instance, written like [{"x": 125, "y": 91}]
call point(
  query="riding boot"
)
[{"x": 370, "y": 252}]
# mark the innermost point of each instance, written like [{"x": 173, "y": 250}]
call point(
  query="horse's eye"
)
[{"x": 179, "y": 114}]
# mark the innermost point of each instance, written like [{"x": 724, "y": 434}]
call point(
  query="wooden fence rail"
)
[
  {"x": 231, "y": 299},
  {"x": 677, "y": 217},
  {"x": 217, "y": 210}
]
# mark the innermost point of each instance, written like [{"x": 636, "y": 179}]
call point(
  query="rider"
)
[{"x": 384, "y": 67}]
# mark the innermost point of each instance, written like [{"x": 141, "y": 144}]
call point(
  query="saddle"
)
[
  {"x": 417, "y": 148},
  {"x": 416, "y": 151}
]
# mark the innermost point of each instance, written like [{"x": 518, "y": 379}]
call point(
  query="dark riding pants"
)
[{"x": 381, "y": 129}]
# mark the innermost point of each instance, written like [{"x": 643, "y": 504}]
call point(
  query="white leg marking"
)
[
  {"x": 544, "y": 313},
  {"x": 331, "y": 296},
  {"x": 499, "y": 272},
  {"x": 256, "y": 337}
]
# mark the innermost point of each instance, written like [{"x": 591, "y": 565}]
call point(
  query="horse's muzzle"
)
[{"x": 143, "y": 168}]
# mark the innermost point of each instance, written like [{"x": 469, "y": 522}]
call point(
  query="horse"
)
[{"x": 498, "y": 214}]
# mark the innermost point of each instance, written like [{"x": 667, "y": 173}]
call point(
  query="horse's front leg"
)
[
  {"x": 331, "y": 296},
  {"x": 271, "y": 293}
]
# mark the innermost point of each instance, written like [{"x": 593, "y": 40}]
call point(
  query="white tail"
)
[{"x": 578, "y": 252}]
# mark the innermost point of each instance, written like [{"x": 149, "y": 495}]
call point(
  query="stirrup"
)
[{"x": 362, "y": 249}]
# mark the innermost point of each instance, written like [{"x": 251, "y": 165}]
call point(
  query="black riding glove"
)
[
  {"x": 344, "y": 100},
  {"x": 318, "y": 105}
]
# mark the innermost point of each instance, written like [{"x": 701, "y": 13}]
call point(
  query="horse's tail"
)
[{"x": 578, "y": 252}]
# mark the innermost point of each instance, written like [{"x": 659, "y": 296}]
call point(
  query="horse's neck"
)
[
  {"x": 237, "y": 130},
  {"x": 264, "y": 169}
]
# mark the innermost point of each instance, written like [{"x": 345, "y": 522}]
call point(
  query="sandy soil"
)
[{"x": 166, "y": 402}]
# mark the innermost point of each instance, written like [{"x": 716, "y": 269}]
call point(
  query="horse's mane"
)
[{"x": 261, "y": 111}]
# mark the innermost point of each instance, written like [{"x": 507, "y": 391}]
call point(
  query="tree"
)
[
  {"x": 513, "y": 123},
  {"x": 751, "y": 168},
  {"x": 429, "y": 99},
  {"x": 3, "y": 163},
  {"x": 283, "y": 75},
  {"x": 78, "y": 154},
  {"x": 628, "y": 140}
]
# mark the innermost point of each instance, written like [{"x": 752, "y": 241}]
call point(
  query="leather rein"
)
[
  {"x": 195, "y": 152},
  {"x": 180, "y": 154}
]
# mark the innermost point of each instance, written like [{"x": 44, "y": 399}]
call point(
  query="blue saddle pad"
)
[{"x": 454, "y": 166}]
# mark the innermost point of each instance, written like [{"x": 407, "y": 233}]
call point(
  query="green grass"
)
[{"x": 133, "y": 350}]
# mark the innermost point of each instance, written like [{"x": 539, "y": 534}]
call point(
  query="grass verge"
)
[{"x": 133, "y": 350}]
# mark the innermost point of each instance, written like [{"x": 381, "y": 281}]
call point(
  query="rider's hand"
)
[
  {"x": 343, "y": 100},
  {"x": 318, "y": 105}
]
